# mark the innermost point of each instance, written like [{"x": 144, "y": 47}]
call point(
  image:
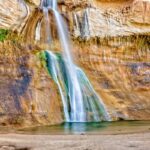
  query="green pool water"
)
[{"x": 120, "y": 127}]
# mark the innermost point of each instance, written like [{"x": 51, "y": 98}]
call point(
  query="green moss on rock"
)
[{"x": 3, "y": 34}]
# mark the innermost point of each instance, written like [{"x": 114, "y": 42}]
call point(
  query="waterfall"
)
[
  {"x": 94, "y": 109},
  {"x": 78, "y": 97},
  {"x": 38, "y": 31},
  {"x": 85, "y": 25},
  {"x": 77, "y": 31},
  {"x": 55, "y": 72},
  {"x": 77, "y": 108},
  {"x": 47, "y": 24}
]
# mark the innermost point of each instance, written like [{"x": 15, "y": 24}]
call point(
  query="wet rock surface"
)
[
  {"x": 121, "y": 79},
  {"x": 26, "y": 92}
]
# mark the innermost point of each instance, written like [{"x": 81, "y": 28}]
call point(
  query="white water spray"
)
[{"x": 77, "y": 105}]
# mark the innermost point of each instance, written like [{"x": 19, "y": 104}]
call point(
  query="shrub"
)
[{"x": 3, "y": 34}]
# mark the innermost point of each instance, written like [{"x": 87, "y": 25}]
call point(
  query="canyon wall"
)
[
  {"x": 27, "y": 92},
  {"x": 110, "y": 42}
]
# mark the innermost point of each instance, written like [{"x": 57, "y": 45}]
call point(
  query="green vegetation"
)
[
  {"x": 3, "y": 34},
  {"x": 42, "y": 58},
  {"x": 6, "y": 34}
]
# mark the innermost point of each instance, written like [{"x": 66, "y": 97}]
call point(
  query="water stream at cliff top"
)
[{"x": 80, "y": 101}]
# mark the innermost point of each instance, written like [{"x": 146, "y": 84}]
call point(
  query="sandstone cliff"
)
[
  {"x": 110, "y": 42},
  {"x": 95, "y": 18}
]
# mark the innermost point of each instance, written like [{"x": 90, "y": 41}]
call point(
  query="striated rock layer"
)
[
  {"x": 97, "y": 17},
  {"x": 102, "y": 19},
  {"x": 14, "y": 14}
]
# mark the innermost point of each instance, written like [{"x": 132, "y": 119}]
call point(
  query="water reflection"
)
[
  {"x": 67, "y": 128},
  {"x": 82, "y": 128},
  {"x": 120, "y": 127}
]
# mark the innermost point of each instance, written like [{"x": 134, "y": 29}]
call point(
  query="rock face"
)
[
  {"x": 35, "y": 2},
  {"x": 120, "y": 74},
  {"x": 14, "y": 14},
  {"x": 104, "y": 19},
  {"x": 26, "y": 91},
  {"x": 97, "y": 19},
  {"x": 110, "y": 42}
]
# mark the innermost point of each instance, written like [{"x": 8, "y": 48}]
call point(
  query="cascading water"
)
[
  {"x": 47, "y": 24},
  {"x": 94, "y": 109},
  {"x": 80, "y": 101},
  {"x": 85, "y": 26},
  {"x": 37, "y": 31},
  {"x": 77, "y": 31}
]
